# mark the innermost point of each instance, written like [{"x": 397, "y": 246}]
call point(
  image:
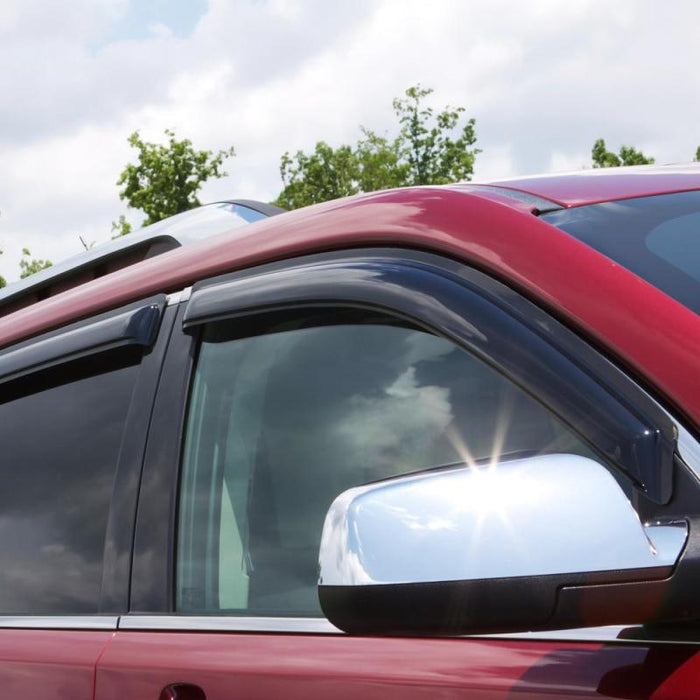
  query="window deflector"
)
[
  {"x": 135, "y": 327},
  {"x": 620, "y": 422}
]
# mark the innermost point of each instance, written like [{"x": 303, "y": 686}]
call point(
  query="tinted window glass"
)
[
  {"x": 60, "y": 432},
  {"x": 284, "y": 418},
  {"x": 657, "y": 238}
]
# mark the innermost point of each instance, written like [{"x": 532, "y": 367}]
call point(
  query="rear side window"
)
[
  {"x": 286, "y": 415},
  {"x": 61, "y": 433}
]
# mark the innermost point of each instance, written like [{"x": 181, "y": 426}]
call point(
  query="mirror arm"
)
[{"x": 670, "y": 600}]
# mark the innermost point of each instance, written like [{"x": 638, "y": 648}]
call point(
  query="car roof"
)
[
  {"x": 606, "y": 184},
  {"x": 652, "y": 335}
]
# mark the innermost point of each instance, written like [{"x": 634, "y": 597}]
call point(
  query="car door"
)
[
  {"x": 74, "y": 407},
  {"x": 286, "y": 385}
]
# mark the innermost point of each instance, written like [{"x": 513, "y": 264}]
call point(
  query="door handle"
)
[{"x": 182, "y": 691}]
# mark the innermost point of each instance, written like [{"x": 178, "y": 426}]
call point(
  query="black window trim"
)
[
  {"x": 153, "y": 554},
  {"x": 121, "y": 522}
]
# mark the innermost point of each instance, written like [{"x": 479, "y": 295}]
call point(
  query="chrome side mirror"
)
[{"x": 480, "y": 549}]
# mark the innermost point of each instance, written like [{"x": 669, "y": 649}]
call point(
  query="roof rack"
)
[{"x": 165, "y": 235}]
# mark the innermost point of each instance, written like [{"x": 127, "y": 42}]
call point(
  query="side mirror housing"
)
[{"x": 514, "y": 546}]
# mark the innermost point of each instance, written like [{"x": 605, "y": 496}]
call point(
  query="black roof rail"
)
[{"x": 165, "y": 235}]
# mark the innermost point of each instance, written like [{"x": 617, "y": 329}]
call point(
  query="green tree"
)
[
  {"x": 602, "y": 158},
  {"x": 432, "y": 156},
  {"x": 165, "y": 180},
  {"x": 29, "y": 266},
  {"x": 325, "y": 174},
  {"x": 380, "y": 162},
  {"x": 697, "y": 154},
  {"x": 2, "y": 279},
  {"x": 120, "y": 227},
  {"x": 429, "y": 149}
]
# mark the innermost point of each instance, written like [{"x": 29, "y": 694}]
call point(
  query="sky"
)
[{"x": 542, "y": 78}]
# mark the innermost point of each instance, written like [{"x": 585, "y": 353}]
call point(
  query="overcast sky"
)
[{"x": 543, "y": 79}]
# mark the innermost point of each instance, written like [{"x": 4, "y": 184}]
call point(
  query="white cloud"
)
[
  {"x": 560, "y": 162},
  {"x": 543, "y": 79},
  {"x": 24, "y": 21}
]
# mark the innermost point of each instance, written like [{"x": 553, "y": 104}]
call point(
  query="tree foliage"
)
[
  {"x": 120, "y": 227},
  {"x": 432, "y": 155},
  {"x": 165, "y": 180},
  {"x": 697, "y": 154},
  {"x": 28, "y": 266},
  {"x": 602, "y": 158},
  {"x": 325, "y": 174},
  {"x": 429, "y": 149}
]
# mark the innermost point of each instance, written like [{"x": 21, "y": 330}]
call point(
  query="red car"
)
[{"x": 432, "y": 442}]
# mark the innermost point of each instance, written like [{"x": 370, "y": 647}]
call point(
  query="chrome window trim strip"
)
[
  {"x": 608, "y": 633},
  {"x": 225, "y": 623},
  {"x": 317, "y": 625},
  {"x": 59, "y": 622},
  {"x": 179, "y": 297},
  {"x": 280, "y": 625},
  {"x": 605, "y": 635},
  {"x": 314, "y": 625}
]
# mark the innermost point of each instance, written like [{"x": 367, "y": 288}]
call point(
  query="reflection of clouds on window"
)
[
  {"x": 394, "y": 431},
  {"x": 62, "y": 442},
  {"x": 30, "y": 578}
]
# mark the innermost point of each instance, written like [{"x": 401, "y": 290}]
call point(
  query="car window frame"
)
[
  {"x": 106, "y": 332},
  {"x": 152, "y": 603}
]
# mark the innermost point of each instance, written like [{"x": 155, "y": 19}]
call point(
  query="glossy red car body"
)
[
  {"x": 138, "y": 665},
  {"x": 644, "y": 330}
]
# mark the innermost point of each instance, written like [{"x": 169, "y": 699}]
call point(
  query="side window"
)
[
  {"x": 61, "y": 433},
  {"x": 286, "y": 415}
]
